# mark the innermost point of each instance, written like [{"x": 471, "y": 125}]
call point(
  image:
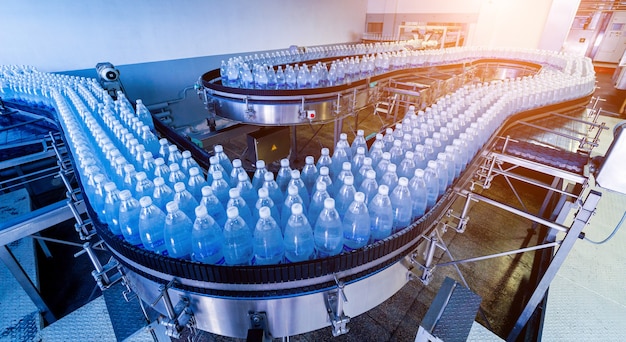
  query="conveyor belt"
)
[{"x": 553, "y": 157}]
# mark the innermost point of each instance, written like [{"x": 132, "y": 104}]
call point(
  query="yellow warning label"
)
[{"x": 274, "y": 147}]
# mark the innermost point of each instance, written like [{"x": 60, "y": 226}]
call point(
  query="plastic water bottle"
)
[
  {"x": 419, "y": 193},
  {"x": 390, "y": 177},
  {"x": 324, "y": 177},
  {"x": 223, "y": 158},
  {"x": 162, "y": 193},
  {"x": 419, "y": 157},
  {"x": 215, "y": 166},
  {"x": 238, "y": 248},
  {"x": 129, "y": 218},
  {"x": 213, "y": 205},
  {"x": 453, "y": 154},
  {"x": 196, "y": 182},
  {"x": 130, "y": 181},
  {"x": 99, "y": 194},
  {"x": 161, "y": 169},
  {"x": 402, "y": 205},
  {"x": 206, "y": 238},
  {"x": 381, "y": 214},
  {"x": 317, "y": 202},
  {"x": 328, "y": 233},
  {"x": 174, "y": 155},
  {"x": 360, "y": 175},
  {"x": 407, "y": 166},
  {"x": 185, "y": 200},
  {"x": 346, "y": 170},
  {"x": 381, "y": 168},
  {"x": 325, "y": 160},
  {"x": 293, "y": 196},
  {"x": 298, "y": 237},
  {"x": 265, "y": 201},
  {"x": 356, "y": 223},
  {"x": 309, "y": 173},
  {"x": 268, "y": 240},
  {"x": 220, "y": 187},
  {"x": 302, "y": 190},
  {"x": 177, "y": 232},
  {"x": 396, "y": 152},
  {"x": 376, "y": 152},
  {"x": 149, "y": 140},
  {"x": 442, "y": 173},
  {"x": 340, "y": 155},
  {"x": 284, "y": 175},
  {"x": 144, "y": 186},
  {"x": 112, "y": 208},
  {"x": 246, "y": 190},
  {"x": 431, "y": 178},
  {"x": 274, "y": 191},
  {"x": 357, "y": 159},
  {"x": 151, "y": 224},
  {"x": 235, "y": 200},
  {"x": 259, "y": 174},
  {"x": 144, "y": 114},
  {"x": 369, "y": 186},
  {"x": 188, "y": 162},
  {"x": 234, "y": 174},
  {"x": 345, "y": 196},
  {"x": 359, "y": 141},
  {"x": 148, "y": 164},
  {"x": 164, "y": 149}
]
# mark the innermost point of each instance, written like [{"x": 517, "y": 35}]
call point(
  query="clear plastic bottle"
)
[
  {"x": 259, "y": 174},
  {"x": 196, "y": 182},
  {"x": 185, "y": 200},
  {"x": 360, "y": 175},
  {"x": 223, "y": 158},
  {"x": 129, "y": 218},
  {"x": 112, "y": 208},
  {"x": 369, "y": 186},
  {"x": 149, "y": 140},
  {"x": 431, "y": 178},
  {"x": 234, "y": 174},
  {"x": 298, "y": 237},
  {"x": 284, "y": 175},
  {"x": 148, "y": 164},
  {"x": 359, "y": 141},
  {"x": 274, "y": 191},
  {"x": 151, "y": 224},
  {"x": 376, "y": 152},
  {"x": 130, "y": 181},
  {"x": 325, "y": 160},
  {"x": 293, "y": 196},
  {"x": 265, "y": 201},
  {"x": 220, "y": 187},
  {"x": 317, "y": 202},
  {"x": 215, "y": 166},
  {"x": 177, "y": 232},
  {"x": 381, "y": 168},
  {"x": 402, "y": 205},
  {"x": 213, "y": 205},
  {"x": 144, "y": 186},
  {"x": 442, "y": 172},
  {"x": 177, "y": 175},
  {"x": 174, "y": 155},
  {"x": 309, "y": 173},
  {"x": 164, "y": 149},
  {"x": 358, "y": 158},
  {"x": 381, "y": 214},
  {"x": 235, "y": 200},
  {"x": 419, "y": 193},
  {"x": 188, "y": 162},
  {"x": 346, "y": 170},
  {"x": 341, "y": 154},
  {"x": 238, "y": 248},
  {"x": 356, "y": 223},
  {"x": 268, "y": 240},
  {"x": 246, "y": 190},
  {"x": 302, "y": 190},
  {"x": 162, "y": 193},
  {"x": 99, "y": 194},
  {"x": 161, "y": 169},
  {"x": 328, "y": 233},
  {"x": 388, "y": 139},
  {"x": 206, "y": 238},
  {"x": 396, "y": 152},
  {"x": 390, "y": 177},
  {"x": 345, "y": 196},
  {"x": 407, "y": 166}
]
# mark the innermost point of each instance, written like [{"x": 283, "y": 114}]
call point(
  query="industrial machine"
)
[{"x": 292, "y": 298}]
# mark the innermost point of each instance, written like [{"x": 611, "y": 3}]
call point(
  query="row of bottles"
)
[{"x": 125, "y": 169}]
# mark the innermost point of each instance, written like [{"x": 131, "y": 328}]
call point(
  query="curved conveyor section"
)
[{"x": 294, "y": 296}]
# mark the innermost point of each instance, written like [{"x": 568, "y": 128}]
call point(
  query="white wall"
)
[{"x": 68, "y": 34}]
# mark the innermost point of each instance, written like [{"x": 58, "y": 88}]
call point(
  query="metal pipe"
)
[
  {"x": 581, "y": 141},
  {"x": 491, "y": 256},
  {"x": 516, "y": 211}
]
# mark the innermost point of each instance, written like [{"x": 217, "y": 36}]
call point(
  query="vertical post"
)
[{"x": 294, "y": 144}]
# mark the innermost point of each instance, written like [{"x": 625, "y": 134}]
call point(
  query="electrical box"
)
[{"x": 269, "y": 144}]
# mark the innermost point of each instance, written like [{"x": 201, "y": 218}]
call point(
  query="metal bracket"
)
[
  {"x": 334, "y": 307},
  {"x": 250, "y": 112},
  {"x": 178, "y": 317},
  {"x": 258, "y": 327},
  {"x": 463, "y": 218}
]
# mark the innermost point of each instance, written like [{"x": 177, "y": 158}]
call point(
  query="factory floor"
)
[{"x": 586, "y": 301}]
